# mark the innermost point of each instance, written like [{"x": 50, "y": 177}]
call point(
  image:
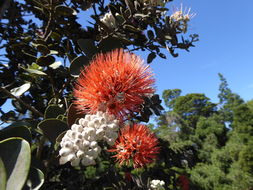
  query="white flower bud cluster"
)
[
  {"x": 109, "y": 20},
  {"x": 182, "y": 17},
  {"x": 80, "y": 144},
  {"x": 157, "y": 184}
]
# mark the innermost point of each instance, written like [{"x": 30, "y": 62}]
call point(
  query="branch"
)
[{"x": 32, "y": 109}]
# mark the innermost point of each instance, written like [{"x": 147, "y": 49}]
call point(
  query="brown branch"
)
[{"x": 32, "y": 109}]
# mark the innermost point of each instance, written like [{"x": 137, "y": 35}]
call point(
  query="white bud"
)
[
  {"x": 113, "y": 127},
  {"x": 67, "y": 144},
  {"x": 99, "y": 134},
  {"x": 63, "y": 160},
  {"x": 75, "y": 162},
  {"x": 97, "y": 149},
  {"x": 74, "y": 127},
  {"x": 91, "y": 124},
  {"x": 88, "y": 160},
  {"x": 71, "y": 157},
  {"x": 104, "y": 127},
  {"x": 79, "y": 154},
  {"x": 110, "y": 141},
  {"x": 65, "y": 151},
  {"x": 93, "y": 144},
  {"x": 111, "y": 134},
  {"x": 83, "y": 122},
  {"x": 78, "y": 142},
  {"x": 87, "y": 117}
]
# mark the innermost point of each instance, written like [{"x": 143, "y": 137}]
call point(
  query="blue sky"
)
[{"x": 225, "y": 29}]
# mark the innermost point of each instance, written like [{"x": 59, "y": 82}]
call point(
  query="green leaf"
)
[
  {"x": 73, "y": 114},
  {"x": 56, "y": 36},
  {"x": 151, "y": 57},
  {"x": 131, "y": 28},
  {"x": 65, "y": 11},
  {"x": 16, "y": 156},
  {"x": 151, "y": 35},
  {"x": 2, "y": 175},
  {"x": 52, "y": 128},
  {"x": 43, "y": 49},
  {"x": 55, "y": 65},
  {"x": 119, "y": 19},
  {"x": 45, "y": 60},
  {"x": 109, "y": 44},
  {"x": 16, "y": 131},
  {"x": 35, "y": 179},
  {"x": 37, "y": 72},
  {"x": 162, "y": 55},
  {"x": 20, "y": 90},
  {"x": 60, "y": 136},
  {"x": 77, "y": 64},
  {"x": 87, "y": 46},
  {"x": 53, "y": 111}
]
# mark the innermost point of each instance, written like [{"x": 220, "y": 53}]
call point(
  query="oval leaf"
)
[
  {"x": 73, "y": 115},
  {"x": 17, "y": 131},
  {"x": 45, "y": 60},
  {"x": 20, "y": 90},
  {"x": 65, "y": 11},
  {"x": 35, "y": 179},
  {"x": 53, "y": 111},
  {"x": 77, "y": 64},
  {"x": 16, "y": 156},
  {"x": 52, "y": 128},
  {"x": 151, "y": 57},
  {"x": 55, "y": 65},
  {"x": 87, "y": 46},
  {"x": 2, "y": 175},
  {"x": 109, "y": 44}
]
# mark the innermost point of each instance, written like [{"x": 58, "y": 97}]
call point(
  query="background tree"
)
[{"x": 214, "y": 151}]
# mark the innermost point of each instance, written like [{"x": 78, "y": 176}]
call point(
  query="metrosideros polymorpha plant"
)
[{"x": 77, "y": 89}]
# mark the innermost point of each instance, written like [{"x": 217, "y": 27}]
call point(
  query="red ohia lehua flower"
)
[
  {"x": 115, "y": 82},
  {"x": 136, "y": 144},
  {"x": 183, "y": 182}
]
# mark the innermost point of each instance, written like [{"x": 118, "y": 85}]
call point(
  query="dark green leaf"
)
[
  {"x": 77, "y": 64},
  {"x": 119, "y": 19},
  {"x": 53, "y": 111},
  {"x": 52, "y": 128},
  {"x": 35, "y": 179},
  {"x": 162, "y": 55},
  {"x": 64, "y": 11},
  {"x": 87, "y": 46},
  {"x": 2, "y": 175},
  {"x": 151, "y": 57},
  {"x": 151, "y": 35},
  {"x": 43, "y": 49},
  {"x": 16, "y": 157},
  {"x": 56, "y": 36},
  {"x": 16, "y": 131},
  {"x": 131, "y": 28},
  {"x": 45, "y": 60},
  {"x": 73, "y": 114},
  {"x": 109, "y": 44}
]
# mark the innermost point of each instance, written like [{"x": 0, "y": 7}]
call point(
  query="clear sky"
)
[
  {"x": 225, "y": 29},
  {"x": 226, "y": 39}
]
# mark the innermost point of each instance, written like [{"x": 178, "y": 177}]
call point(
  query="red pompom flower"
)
[
  {"x": 136, "y": 144},
  {"x": 115, "y": 82}
]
